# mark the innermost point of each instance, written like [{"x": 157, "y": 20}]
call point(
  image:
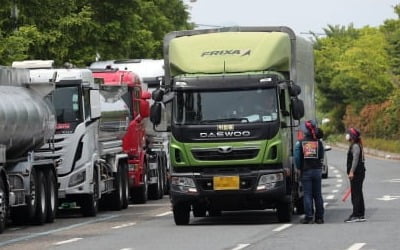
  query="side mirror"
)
[
  {"x": 155, "y": 113},
  {"x": 144, "y": 108},
  {"x": 297, "y": 108},
  {"x": 145, "y": 95},
  {"x": 95, "y": 106},
  {"x": 158, "y": 95},
  {"x": 294, "y": 90}
]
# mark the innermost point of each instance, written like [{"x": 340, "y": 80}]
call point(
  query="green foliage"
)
[
  {"x": 355, "y": 84},
  {"x": 79, "y": 31}
]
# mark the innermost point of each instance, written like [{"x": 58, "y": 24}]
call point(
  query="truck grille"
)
[{"x": 225, "y": 153}]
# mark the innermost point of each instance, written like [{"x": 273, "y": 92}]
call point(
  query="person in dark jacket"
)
[
  {"x": 309, "y": 157},
  {"x": 356, "y": 175}
]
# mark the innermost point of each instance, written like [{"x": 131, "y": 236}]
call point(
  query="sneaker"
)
[
  {"x": 361, "y": 219},
  {"x": 352, "y": 219},
  {"x": 319, "y": 221},
  {"x": 306, "y": 221}
]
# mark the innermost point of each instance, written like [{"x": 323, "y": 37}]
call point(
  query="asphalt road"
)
[{"x": 151, "y": 226}]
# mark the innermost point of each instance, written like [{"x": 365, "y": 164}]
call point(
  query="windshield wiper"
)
[{"x": 240, "y": 119}]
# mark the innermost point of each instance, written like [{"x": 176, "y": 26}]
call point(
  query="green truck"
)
[{"x": 235, "y": 97}]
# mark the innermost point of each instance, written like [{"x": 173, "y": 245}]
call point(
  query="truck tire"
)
[
  {"x": 199, "y": 210},
  {"x": 125, "y": 178},
  {"x": 90, "y": 204},
  {"x": 284, "y": 212},
  {"x": 41, "y": 195},
  {"x": 165, "y": 173},
  {"x": 117, "y": 195},
  {"x": 140, "y": 194},
  {"x": 300, "y": 205},
  {"x": 3, "y": 205},
  {"x": 156, "y": 190},
  {"x": 52, "y": 195},
  {"x": 181, "y": 214}
]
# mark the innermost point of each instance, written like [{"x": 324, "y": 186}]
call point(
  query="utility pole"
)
[{"x": 14, "y": 15}]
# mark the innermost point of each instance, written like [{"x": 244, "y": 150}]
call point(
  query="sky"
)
[{"x": 302, "y": 16}]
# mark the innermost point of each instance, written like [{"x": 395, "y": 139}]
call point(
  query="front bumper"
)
[{"x": 247, "y": 196}]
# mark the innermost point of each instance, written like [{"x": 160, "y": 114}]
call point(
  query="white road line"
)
[
  {"x": 35, "y": 235},
  {"x": 338, "y": 185},
  {"x": 67, "y": 241},
  {"x": 329, "y": 197},
  {"x": 126, "y": 249},
  {"x": 335, "y": 191},
  {"x": 283, "y": 227},
  {"x": 338, "y": 176},
  {"x": 124, "y": 225},
  {"x": 336, "y": 171},
  {"x": 164, "y": 214},
  {"x": 325, "y": 204},
  {"x": 339, "y": 180},
  {"x": 356, "y": 246},
  {"x": 331, "y": 167},
  {"x": 240, "y": 246}
]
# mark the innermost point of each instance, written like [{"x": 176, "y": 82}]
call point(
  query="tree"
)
[
  {"x": 352, "y": 68},
  {"x": 78, "y": 31}
]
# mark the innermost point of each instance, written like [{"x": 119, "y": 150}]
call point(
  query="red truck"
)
[{"x": 146, "y": 176}]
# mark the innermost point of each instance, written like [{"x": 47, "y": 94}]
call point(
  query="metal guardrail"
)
[{"x": 371, "y": 151}]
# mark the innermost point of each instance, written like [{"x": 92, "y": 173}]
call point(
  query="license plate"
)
[{"x": 226, "y": 182}]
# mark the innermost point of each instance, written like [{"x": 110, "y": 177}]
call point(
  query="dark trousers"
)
[
  {"x": 357, "y": 197},
  {"x": 311, "y": 180}
]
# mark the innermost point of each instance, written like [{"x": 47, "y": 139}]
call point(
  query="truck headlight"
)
[
  {"x": 183, "y": 184},
  {"x": 269, "y": 181},
  {"x": 77, "y": 178}
]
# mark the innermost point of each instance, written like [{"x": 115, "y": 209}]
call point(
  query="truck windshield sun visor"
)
[{"x": 224, "y": 82}]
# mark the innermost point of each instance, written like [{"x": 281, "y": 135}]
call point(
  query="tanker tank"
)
[{"x": 27, "y": 120}]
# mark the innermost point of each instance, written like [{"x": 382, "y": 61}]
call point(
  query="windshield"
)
[
  {"x": 241, "y": 106},
  {"x": 67, "y": 104}
]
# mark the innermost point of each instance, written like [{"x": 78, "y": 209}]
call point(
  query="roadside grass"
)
[{"x": 392, "y": 146}]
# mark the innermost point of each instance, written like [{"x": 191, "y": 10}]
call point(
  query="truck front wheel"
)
[
  {"x": 140, "y": 194},
  {"x": 118, "y": 194},
  {"x": 90, "y": 204},
  {"x": 181, "y": 214},
  {"x": 284, "y": 212}
]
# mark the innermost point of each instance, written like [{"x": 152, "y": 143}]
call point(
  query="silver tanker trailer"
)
[{"x": 28, "y": 184}]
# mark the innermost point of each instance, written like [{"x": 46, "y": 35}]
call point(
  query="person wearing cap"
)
[
  {"x": 309, "y": 157},
  {"x": 356, "y": 174}
]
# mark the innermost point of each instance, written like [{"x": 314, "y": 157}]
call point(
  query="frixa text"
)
[
  {"x": 237, "y": 52},
  {"x": 225, "y": 134}
]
